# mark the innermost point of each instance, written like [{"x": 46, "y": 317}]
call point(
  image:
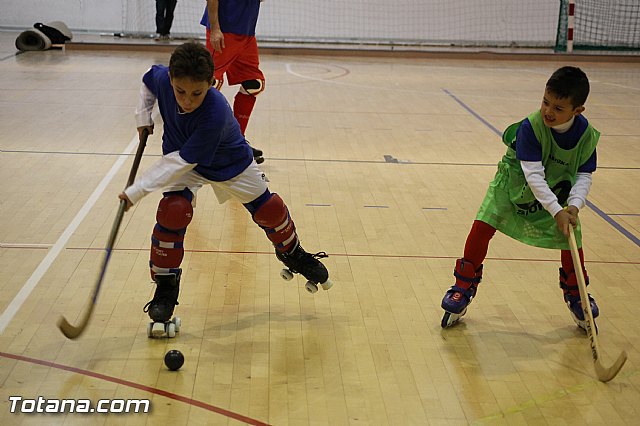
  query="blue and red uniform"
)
[{"x": 239, "y": 59}]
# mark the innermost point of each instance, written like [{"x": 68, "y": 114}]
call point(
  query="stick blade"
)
[
  {"x": 607, "y": 374},
  {"x": 70, "y": 331}
]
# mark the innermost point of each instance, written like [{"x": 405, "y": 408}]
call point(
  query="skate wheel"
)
[
  {"x": 157, "y": 329},
  {"x": 445, "y": 320},
  {"x": 583, "y": 325},
  {"x": 311, "y": 287},
  {"x": 171, "y": 330},
  {"x": 286, "y": 275},
  {"x": 327, "y": 285},
  {"x": 178, "y": 322},
  {"x": 149, "y": 329},
  {"x": 449, "y": 319}
]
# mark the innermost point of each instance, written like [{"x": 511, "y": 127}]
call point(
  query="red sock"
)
[
  {"x": 477, "y": 245},
  {"x": 567, "y": 260},
  {"x": 242, "y": 107}
]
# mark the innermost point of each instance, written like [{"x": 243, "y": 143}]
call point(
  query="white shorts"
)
[{"x": 246, "y": 187}]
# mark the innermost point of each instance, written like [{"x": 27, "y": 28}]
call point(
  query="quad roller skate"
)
[
  {"x": 257, "y": 154},
  {"x": 461, "y": 294},
  {"x": 299, "y": 261},
  {"x": 569, "y": 286},
  {"x": 160, "y": 308}
]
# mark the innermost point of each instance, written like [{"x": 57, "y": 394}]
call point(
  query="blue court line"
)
[
  {"x": 613, "y": 223},
  {"x": 472, "y": 112},
  {"x": 592, "y": 206}
]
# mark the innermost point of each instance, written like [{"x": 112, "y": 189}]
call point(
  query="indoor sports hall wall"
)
[{"x": 460, "y": 22}]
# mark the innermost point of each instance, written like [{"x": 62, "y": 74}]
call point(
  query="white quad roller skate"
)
[
  {"x": 160, "y": 308},
  {"x": 298, "y": 261},
  {"x": 461, "y": 294}
]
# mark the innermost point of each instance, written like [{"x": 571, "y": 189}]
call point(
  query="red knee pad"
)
[
  {"x": 167, "y": 241},
  {"x": 273, "y": 217},
  {"x": 167, "y": 250},
  {"x": 174, "y": 212}
]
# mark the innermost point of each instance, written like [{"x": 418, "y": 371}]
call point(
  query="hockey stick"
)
[
  {"x": 604, "y": 374},
  {"x": 69, "y": 330}
]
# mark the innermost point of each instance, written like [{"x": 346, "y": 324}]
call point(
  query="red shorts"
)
[{"x": 239, "y": 59}]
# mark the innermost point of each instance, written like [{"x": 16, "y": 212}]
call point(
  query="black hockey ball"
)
[{"x": 173, "y": 359}]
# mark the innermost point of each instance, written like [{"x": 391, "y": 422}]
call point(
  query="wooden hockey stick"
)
[
  {"x": 69, "y": 330},
  {"x": 604, "y": 374}
]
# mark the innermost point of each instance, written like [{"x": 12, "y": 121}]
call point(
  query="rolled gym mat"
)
[
  {"x": 33, "y": 39},
  {"x": 57, "y": 31}
]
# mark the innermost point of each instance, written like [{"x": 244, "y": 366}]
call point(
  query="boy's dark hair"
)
[
  {"x": 191, "y": 60},
  {"x": 569, "y": 82}
]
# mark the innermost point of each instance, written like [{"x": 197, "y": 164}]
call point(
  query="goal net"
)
[
  {"x": 410, "y": 22},
  {"x": 139, "y": 18},
  {"x": 601, "y": 25}
]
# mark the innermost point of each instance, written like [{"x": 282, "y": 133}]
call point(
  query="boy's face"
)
[
  {"x": 556, "y": 111},
  {"x": 189, "y": 94}
]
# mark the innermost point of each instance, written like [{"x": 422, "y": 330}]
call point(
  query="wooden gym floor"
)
[{"x": 383, "y": 163}]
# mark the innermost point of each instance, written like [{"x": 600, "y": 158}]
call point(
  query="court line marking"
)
[
  {"x": 290, "y": 65},
  {"x": 11, "y": 56},
  {"x": 31, "y": 151},
  {"x": 371, "y": 255},
  {"x": 56, "y": 249},
  {"x": 388, "y": 159},
  {"x": 156, "y": 391},
  {"x": 541, "y": 400},
  {"x": 25, "y": 245},
  {"x": 624, "y": 231}
]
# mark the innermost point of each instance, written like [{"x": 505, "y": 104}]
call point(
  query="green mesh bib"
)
[{"x": 510, "y": 206}]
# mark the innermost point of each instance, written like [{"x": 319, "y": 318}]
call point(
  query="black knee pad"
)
[{"x": 252, "y": 87}]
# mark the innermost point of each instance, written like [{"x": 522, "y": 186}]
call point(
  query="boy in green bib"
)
[{"x": 541, "y": 184}]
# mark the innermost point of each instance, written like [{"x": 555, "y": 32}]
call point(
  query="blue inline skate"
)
[{"x": 461, "y": 294}]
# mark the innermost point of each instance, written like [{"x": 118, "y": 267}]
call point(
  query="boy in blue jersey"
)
[
  {"x": 202, "y": 145},
  {"x": 542, "y": 182},
  {"x": 231, "y": 39}
]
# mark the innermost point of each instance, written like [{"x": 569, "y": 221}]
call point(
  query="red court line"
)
[
  {"x": 156, "y": 391},
  {"x": 372, "y": 255}
]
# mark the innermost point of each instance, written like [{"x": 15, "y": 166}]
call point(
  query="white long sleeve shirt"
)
[{"x": 164, "y": 171}]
